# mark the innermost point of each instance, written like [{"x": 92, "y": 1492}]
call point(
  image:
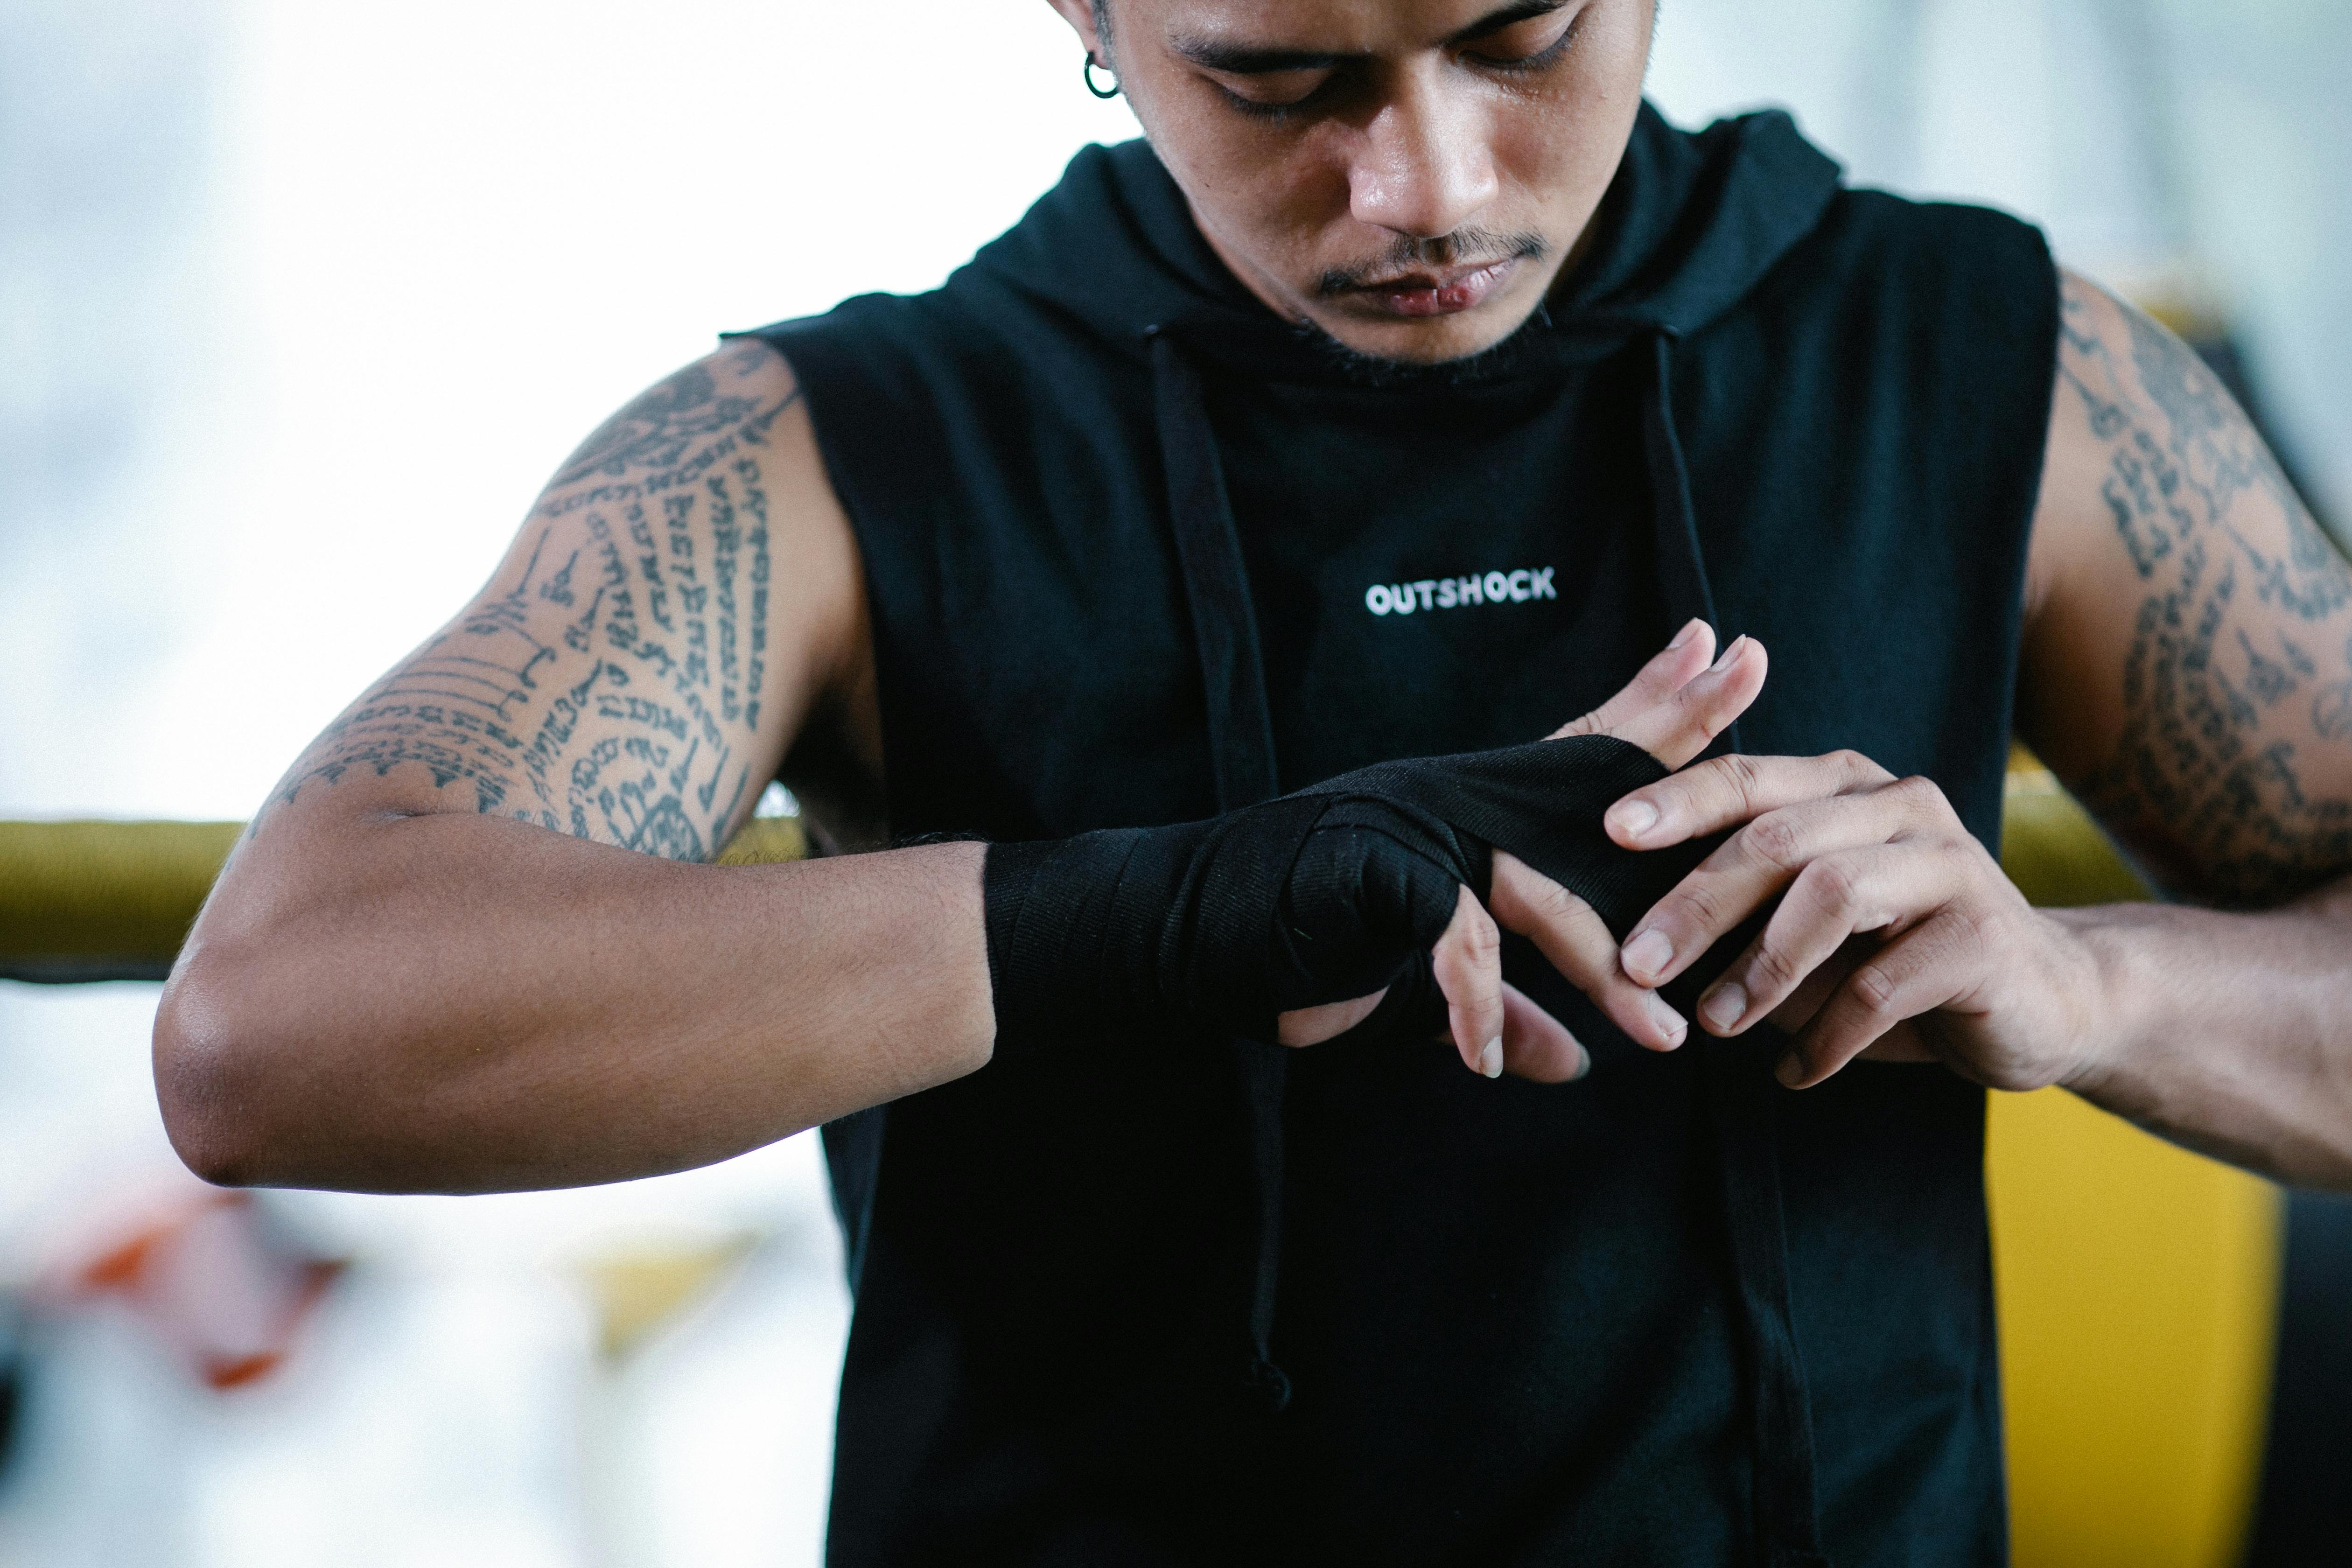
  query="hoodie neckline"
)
[{"x": 1689, "y": 225}]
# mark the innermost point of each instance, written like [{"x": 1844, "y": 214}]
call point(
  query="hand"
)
[
  {"x": 1673, "y": 708},
  {"x": 1897, "y": 933}
]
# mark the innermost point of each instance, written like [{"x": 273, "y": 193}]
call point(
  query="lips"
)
[{"x": 1442, "y": 293}]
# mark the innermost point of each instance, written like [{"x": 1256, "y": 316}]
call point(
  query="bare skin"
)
[
  {"x": 2188, "y": 669},
  {"x": 1411, "y": 177},
  {"x": 1678, "y": 703},
  {"x": 436, "y": 962},
  {"x": 539, "y": 778},
  {"x": 468, "y": 944}
]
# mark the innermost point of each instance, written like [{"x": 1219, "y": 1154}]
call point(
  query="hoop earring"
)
[{"x": 1088, "y": 72}]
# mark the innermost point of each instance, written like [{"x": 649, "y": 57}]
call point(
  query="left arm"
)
[{"x": 2187, "y": 670}]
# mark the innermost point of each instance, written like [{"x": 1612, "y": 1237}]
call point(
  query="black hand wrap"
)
[{"x": 1318, "y": 897}]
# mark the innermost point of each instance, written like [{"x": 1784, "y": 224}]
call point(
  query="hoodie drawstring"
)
[
  {"x": 1739, "y": 1085},
  {"x": 1740, "y": 1091},
  {"x": 1241, "y": 746}
]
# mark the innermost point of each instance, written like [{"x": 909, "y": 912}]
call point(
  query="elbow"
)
[{"x": 206, "y": 1074}]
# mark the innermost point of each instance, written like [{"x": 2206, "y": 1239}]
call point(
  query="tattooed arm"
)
[
  {"x": 469, "y": 944},
  {"x": 2189, "y": 671},
  {"x": 2186, "y": 670}
]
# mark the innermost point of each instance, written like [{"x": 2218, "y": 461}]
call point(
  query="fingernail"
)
[
  {"x": 1690, "y": 630},
  {"x": 1791, "y": 1071},
  {"x": 1490, "y": 1061},
  {"x": 1670, "y": 1023},
  {"x": 1723, "y": 1006},
  {"x": 1647, "y": 954},
  {"x": 1724, "y": 661},
  {"x": 1634, "y": 818},
  {"x": 1583, "y": 1063}
]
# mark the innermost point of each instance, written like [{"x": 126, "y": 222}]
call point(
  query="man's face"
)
[{"x": 1408, "y": 175}]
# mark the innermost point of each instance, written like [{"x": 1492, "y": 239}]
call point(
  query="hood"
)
[{"x": 1691, "y": 224}]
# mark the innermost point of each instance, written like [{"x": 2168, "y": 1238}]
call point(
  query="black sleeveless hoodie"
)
[{"x": 1137, "y": 551}]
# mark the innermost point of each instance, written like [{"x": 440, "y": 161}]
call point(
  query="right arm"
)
[{"x": 468, "y": 944}]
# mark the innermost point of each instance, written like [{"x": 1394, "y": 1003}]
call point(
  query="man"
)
[{"x": 1400, "y": 398}]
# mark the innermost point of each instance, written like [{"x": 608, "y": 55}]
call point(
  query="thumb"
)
[
  {"x": 1683, "y": 726},
  {"x": 1669, "y": 671}
]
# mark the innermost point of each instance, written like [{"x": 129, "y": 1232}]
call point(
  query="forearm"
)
[
  {"x": 2229, "y": 1033},
  {"x": 463, "y": 1003}
]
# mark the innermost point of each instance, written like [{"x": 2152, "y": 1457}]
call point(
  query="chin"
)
[{"x": 1431, "y": 340}]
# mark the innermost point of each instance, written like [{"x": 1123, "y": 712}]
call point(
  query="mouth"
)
[{"x": 1417, "y": 295}]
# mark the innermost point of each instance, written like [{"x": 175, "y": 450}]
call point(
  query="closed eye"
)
[
  {"x": 1276, "y": 94},
  {"x": 1551, "y": 41},
  {"x": 1276, "y": 83}
]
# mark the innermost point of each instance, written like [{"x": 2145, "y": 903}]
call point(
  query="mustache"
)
[{"x": 1462, "y": 248}]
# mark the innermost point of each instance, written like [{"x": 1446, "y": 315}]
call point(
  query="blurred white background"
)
[{"x": 299, "y": 303}]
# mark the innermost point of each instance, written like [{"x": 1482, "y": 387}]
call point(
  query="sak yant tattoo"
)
[
  {"x": 2241, "y": 659},
  {"x": 607, "y": 690}
]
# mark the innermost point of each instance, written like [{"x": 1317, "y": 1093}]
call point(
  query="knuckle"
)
[
  {"x": 1774, "y": 967},
  {"x": 1963, "y": 857},
  {"x": 1776, "y": 839},
  {"x": 1977, "y": 931},
  {"x": 1856, "y": 766},
  {"x": 1741, "y": 777},
  {"x": 1481, "y": 940},
  {"x": 1553, "y": 905},
  {"x": 1920, "y": 794},
  {"x": 1874, "y": 989},
  {"x": 1699, "y": 903},
  {"x": 1550, "y": 898},
  {"x": 1833, "y": 884}
]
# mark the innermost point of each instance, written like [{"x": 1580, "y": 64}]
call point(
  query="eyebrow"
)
[{"x": 1235, "y": 59}]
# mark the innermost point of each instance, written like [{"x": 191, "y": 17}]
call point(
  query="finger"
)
[
  {"x": 1326, "y": 1021},
  {"x": 1681, "y": 727},
  {"x": 1568, "y": 933},
  {"x": 1903, "y": 1043},
  {"x": 1815, "y": 989},
  {"x": 1666, "y": 674},
  {"x": 1537, "y": 1046},
  {"x": 1723, "y": 792},
  {"x": 1887, "y": 887},
  {"x": 1754, "y": 866},
  {"x": 1468, "y": 963},
  {"x": 1928, "y": 967}
]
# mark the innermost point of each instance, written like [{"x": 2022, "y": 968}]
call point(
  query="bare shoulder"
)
[
  {"x": 683, "y": 594},
  {"x": 2187, "y": 659}
]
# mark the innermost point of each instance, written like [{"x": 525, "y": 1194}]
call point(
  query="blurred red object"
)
[{"x": 209, "y": 1278}]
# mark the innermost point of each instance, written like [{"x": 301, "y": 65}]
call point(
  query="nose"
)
[{"x": 1423, "y": 167}]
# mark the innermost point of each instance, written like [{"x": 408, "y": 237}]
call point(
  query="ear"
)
[{"x": 1080, "y": 15}]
